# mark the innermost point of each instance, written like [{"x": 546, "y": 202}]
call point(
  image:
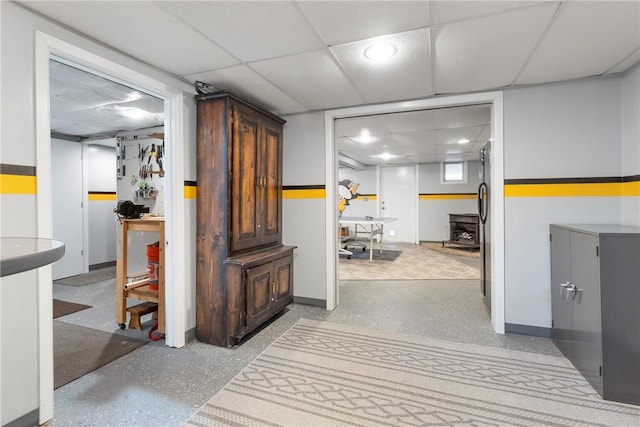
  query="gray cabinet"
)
[{"x": 595, "y": 299}]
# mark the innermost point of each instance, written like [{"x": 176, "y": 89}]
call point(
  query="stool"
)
[{"x": 140, "y": 310}]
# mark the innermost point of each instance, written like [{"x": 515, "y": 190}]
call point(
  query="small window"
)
[{"x": 454, "y": 173}]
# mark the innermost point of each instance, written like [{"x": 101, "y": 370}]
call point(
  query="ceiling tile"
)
[
  {"x": 487, "y": 52},
  {"x": 452, "y": 11},
  {"x": 141, "y": 30},
  {"x": 407, "y": 75},
  {"x": 409, "y": 121},
  {"x": 453, "y": 135},
  {"x": 250, "y": 30},
  {"x": 246, "y": 83},
  {"x": 348, "y": 21},
  {"x": 455, "y": 117},
  {"x": 423, "y": 139},
  {"x": 586, "y": 39},
  {"x": 312, "y": 79},
  {"x": 353, "y": 126}
]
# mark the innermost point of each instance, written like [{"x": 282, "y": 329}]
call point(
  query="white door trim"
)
[
  {"x": 497, "y": 181},
  {"x": 47, "y": 46}
]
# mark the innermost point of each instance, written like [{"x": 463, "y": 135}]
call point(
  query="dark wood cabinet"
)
[
  {"x": 257, "y": 178},
  {"x": 244, "y": 275}
]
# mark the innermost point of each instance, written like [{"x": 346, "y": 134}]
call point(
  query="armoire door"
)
[
  {"x": 271, "y": 169},
  {"x": 246, "y": 187},
  {"x": 259, "y": 292},
  {"x": 283, "y": 288}
]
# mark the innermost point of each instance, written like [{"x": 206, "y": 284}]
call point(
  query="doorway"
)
[
  {"x": 173, "y": 94},
  {"x": 68, "y": 205},
  {"x": 497, "y": 201}
]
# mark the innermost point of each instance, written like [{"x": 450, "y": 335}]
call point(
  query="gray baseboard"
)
[
  {"x": 190, "y": 335},
  {"x": 531, "y": 331},
  {"x": 102, "y": 265},
  {"x": 310, "y": 301},
  {"x": 29, "y": 419}
]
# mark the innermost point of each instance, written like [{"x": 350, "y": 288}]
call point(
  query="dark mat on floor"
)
[
  {"x": 78, "y": 350},
  {"x": 62, "y": 308},
  {"x": 386, "y": 255},
  {"x": 88, "y": 278}
]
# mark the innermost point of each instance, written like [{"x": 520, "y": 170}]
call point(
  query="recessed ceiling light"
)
[
  {"x": 463, "y": 141},
  {"x": 386, "y": 156},
  {"x": 379, "y": 52},
  {"x": 364, "y": 137}
]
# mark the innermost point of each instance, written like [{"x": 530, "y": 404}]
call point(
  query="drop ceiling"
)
[{"x": 299, "y": 56}]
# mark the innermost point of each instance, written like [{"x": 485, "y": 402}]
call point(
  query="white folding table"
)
[{"x": 369, "y": 225}]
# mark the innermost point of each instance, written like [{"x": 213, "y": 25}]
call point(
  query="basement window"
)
[{"x": 454, "y": 173}]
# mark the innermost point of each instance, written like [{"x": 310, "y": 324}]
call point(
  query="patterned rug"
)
[
  {"x": 321, "y": 374},
  {"x": 416, "y": 262}
]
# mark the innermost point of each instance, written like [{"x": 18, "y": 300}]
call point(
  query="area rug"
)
[
  {"x": 321, "y": 374},
  {"x": 94, "y": 276},
  {"x": 359, "y": 255},
  {"x": 452, "y": 250},
  {"x": 62, "y": 308},
  {"x": 78, "y": 350},
  {"x": 415, "y": 262}
]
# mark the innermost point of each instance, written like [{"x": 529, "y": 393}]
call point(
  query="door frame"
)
[
  {"x": 46, "y": 47},
  {"x": 495, "y": 99}
]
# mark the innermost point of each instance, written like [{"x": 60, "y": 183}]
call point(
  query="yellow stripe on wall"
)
[
  {"x": 606, "y": 189},
  {"x": 447, "y": 196},
  {"x": 98, "y": 197},
  {"x": 18, "y": 184},
  {"x": 631, "y": 189},
  {"x": 190, "y": 192},
  {"x": 304, "y": 194}
]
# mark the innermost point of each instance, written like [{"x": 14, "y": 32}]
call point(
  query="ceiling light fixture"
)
[
  {"x": 364, "y": 137},
  {"x": 463, "y": 141},
  {"x": 386, "y": 156},
  {"x": 379, "y": 52}
]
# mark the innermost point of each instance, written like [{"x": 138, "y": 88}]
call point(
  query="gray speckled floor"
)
[{"x": 160, "y": 386}]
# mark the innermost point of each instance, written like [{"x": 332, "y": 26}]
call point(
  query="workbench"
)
[
  {"x": 370, "y": 226},
  {"x": 140, "y": 289}
]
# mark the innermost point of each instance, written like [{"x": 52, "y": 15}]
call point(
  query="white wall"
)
[
  {"x": 23, "y": 378},
  {"x": 630, "y": 142},
  {"x": 303, "y": 220},
  {"x": 102, "y": 223},
  {"x": 558, "y": 130}
]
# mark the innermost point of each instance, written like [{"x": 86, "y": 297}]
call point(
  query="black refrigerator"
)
[{"x": 484, "y": 195}]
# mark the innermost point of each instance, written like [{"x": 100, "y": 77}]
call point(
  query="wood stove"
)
[{"x": 464, "y": 230}]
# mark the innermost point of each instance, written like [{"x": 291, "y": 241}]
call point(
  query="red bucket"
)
[{"x": 153, "y": 259}]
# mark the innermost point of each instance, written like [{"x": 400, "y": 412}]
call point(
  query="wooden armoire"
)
[{"x": 244, "y": 274}]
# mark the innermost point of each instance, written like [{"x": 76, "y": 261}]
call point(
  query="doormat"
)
[
  {"x": 385, "y": 255},
  {"x": 62, "y": 308},
  {"x": 95, "y": 276},
  {"x": 78, "y": 350},
  {"x": 322, "y": 374}
]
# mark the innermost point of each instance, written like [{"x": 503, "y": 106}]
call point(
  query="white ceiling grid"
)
[{"x": 298, "y": 56}]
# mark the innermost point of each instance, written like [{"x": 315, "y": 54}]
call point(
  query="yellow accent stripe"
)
[
  {"x": 99, "y": 197},
  {"x": 18, "y": 184},
  {"x": 608, "y": 189},
  {"x": 446, "y": 196},
  {"x": 631, "y": 189},
  {"x": 304, "y": 194},
  {"x": 190, "y": 192}
]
